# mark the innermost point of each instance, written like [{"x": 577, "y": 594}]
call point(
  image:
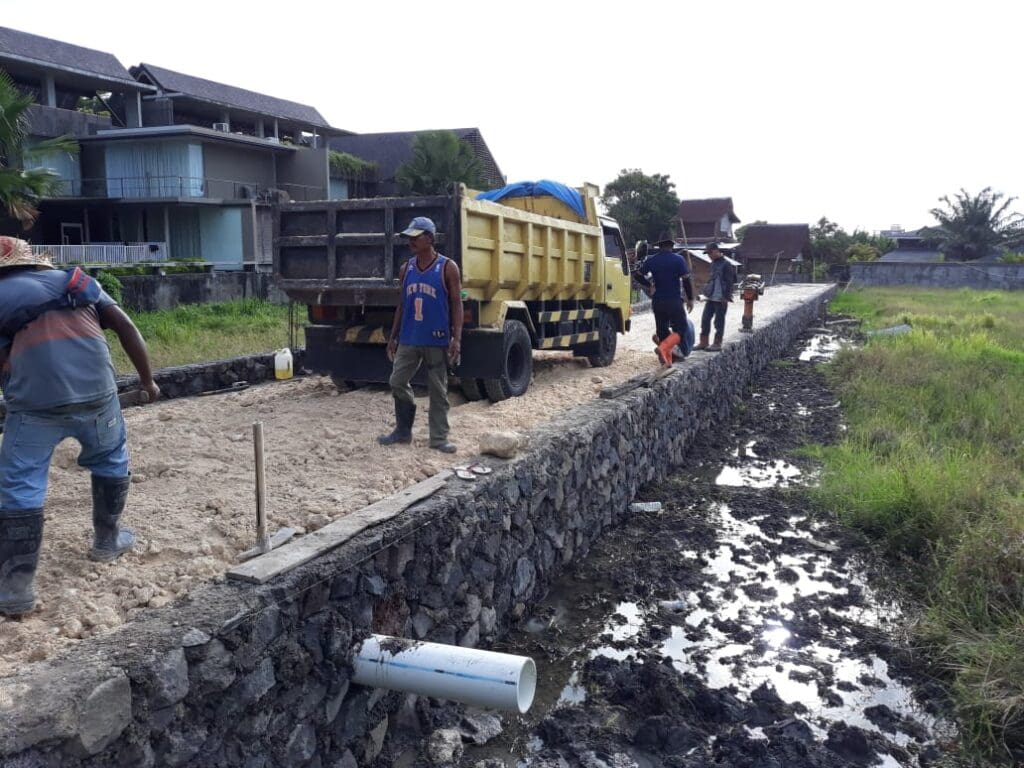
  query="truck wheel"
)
[
  {"x": 517, "y": 366},
  {"x": 602, "y": 353},
  {"x": 472, "y": 389}
]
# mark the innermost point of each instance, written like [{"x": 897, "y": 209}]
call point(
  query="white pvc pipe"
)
[{"x": 468, "y": 675}]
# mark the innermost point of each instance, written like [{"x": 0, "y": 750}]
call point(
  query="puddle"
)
[
  {"x": 758, "y": 474},
  {"x": 820, "y": 347}
]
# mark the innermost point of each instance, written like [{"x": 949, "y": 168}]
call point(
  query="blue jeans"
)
[
  {"x": 713, "y": 310},
  {"x": 30, "y": 437}
]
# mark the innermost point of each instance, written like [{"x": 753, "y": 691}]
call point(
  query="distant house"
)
[
  {"x": 705, "y": 220},
  {"x": 389, "y": 151},
  {"x": 912, "y": 246},
  {"x": 769, "y": 249},
  {"x": 176, "y": 166}
]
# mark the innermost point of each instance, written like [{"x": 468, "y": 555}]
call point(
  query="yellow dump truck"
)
[{"x": 535, "y": 275}]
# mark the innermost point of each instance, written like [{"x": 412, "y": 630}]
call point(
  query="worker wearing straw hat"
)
[{"x": 58, "y": 382}]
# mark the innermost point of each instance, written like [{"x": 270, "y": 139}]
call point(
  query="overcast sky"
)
[{"x": 866, "y": 112}]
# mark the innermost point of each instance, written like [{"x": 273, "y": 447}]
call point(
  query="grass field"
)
[
  {"x": 932, "y": 465},
  {"x": 200, "y": 332}
]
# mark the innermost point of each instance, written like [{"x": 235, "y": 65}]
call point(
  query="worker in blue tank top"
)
[{"x": 427, "y": 330}]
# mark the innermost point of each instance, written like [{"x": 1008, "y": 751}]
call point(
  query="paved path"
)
[{"x": 777, "y": 300}]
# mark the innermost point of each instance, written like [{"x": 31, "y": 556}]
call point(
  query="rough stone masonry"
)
[{"x": 258, "y": 677}]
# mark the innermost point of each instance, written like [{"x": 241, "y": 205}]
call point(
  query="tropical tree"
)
[
  {"x": 439, "y": 159},
  {"x": 831, "y": 244},
  {"x": 971, "y": 226},
  {"x": 21, "y": 188},
  {"x": 645, "y": 206}
]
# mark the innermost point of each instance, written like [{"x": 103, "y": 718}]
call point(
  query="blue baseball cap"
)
[{"x": 418, "y": 226}]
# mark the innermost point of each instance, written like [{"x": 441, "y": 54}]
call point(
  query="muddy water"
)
[{"x": 733, "y": 627}]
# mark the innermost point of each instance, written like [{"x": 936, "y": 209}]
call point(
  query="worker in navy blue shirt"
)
[{"x": 668, "y": 270}]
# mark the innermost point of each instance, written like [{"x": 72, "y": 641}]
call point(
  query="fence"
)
[{"x": 104, "y": 253}]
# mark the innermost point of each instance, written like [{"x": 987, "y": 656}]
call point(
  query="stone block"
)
[
  {"x": 255, "y": 685},
  {"x": 170, "y": 679},
  {"x": 333, "y": 705},
  {"x": 488, "y": 621},
  {"x": 504, "y": 445},
  {"x": 471, "y": 636},
  {"x": 301, "y": 744},
  {"x": 375, "y": 741},
  {"x": 522, "y": 579},
  {"x": 444, "y": 747},
  {"x": 104, "y": 714}
]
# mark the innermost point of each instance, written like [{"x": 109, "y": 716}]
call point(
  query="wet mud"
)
[{"x": 734, "y": 627}]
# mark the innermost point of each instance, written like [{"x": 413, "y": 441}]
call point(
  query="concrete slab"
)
[{"x": 776, "y": 302}]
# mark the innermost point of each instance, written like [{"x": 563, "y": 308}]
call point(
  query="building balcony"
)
[
  {"x": 52, "y": 121},
  {"x": 181, "y": 188},
  {"x": 104, "y": 253}
]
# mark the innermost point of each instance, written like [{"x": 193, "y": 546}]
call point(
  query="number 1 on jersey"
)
[{"x": 418, "y": 308}]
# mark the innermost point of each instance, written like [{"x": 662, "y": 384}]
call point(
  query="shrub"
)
[{"x": 109, "y": 282}]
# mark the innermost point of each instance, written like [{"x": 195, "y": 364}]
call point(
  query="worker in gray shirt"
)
[{"x": 717, "y": 295}]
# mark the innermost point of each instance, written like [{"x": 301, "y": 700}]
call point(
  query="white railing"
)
[{"x": 104, "y": 253}]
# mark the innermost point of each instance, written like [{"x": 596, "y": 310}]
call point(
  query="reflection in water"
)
[
  {"x": 822, "y": 346},
  {"x": 758, "y": 474}
]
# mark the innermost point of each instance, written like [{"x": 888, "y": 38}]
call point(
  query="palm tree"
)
[
  {"x": 971, "y": 227},
  {"x": 20, "y": 189},
  {"x": 438, "y": 160}
]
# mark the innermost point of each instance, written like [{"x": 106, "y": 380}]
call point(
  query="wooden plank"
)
[
  {"x": 627, "y": 386},
  {"x": 299, "y": 552}
]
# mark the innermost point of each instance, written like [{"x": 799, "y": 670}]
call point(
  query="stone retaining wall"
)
[{"x": 258, "y": 677}]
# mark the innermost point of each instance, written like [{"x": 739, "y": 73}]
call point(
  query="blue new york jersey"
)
[{"x": 425, "y": 320}]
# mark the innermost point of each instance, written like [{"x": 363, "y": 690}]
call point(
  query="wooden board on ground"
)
[
  {"x": 627, "y": 386},
  {"x": 645, "y": 380},
  {"x": 299, "y": 552}
]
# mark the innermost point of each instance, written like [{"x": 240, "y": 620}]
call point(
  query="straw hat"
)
[{"x": 18, "y": 253}]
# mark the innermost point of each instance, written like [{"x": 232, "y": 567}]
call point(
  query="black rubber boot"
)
[
  {"x": 21, "y": 535},
  {"x": 109, "y": 495},
  {"x": 444, "y": 447},
  {"x": 405, "y": 415}
]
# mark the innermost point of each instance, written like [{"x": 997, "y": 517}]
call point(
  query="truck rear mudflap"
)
[{"x": 359, "y": 354}]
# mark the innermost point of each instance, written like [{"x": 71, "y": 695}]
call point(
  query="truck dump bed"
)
[{"x": 349, "y": 252}]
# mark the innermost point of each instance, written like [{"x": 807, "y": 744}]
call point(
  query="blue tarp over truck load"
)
[{"x": 542, "y": 188}]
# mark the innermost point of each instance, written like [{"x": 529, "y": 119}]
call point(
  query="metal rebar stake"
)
[{"x": 262, "y": 540}]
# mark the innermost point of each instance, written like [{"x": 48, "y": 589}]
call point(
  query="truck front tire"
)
[
  {"x": 602, "y": 352},
  {"x": 517, "y": 364}
]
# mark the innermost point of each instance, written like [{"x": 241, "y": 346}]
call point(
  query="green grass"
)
[
  {"x": 195, "y": 333},
  {"x": 932, "y": 464}
]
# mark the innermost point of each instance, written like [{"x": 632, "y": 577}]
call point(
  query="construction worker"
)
[
  {"x": 427, "y": 330},
  {"x": 717, "y": 295},
  {"x": 668, "y": 270},
  {"x": 58, "y": 381}
]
